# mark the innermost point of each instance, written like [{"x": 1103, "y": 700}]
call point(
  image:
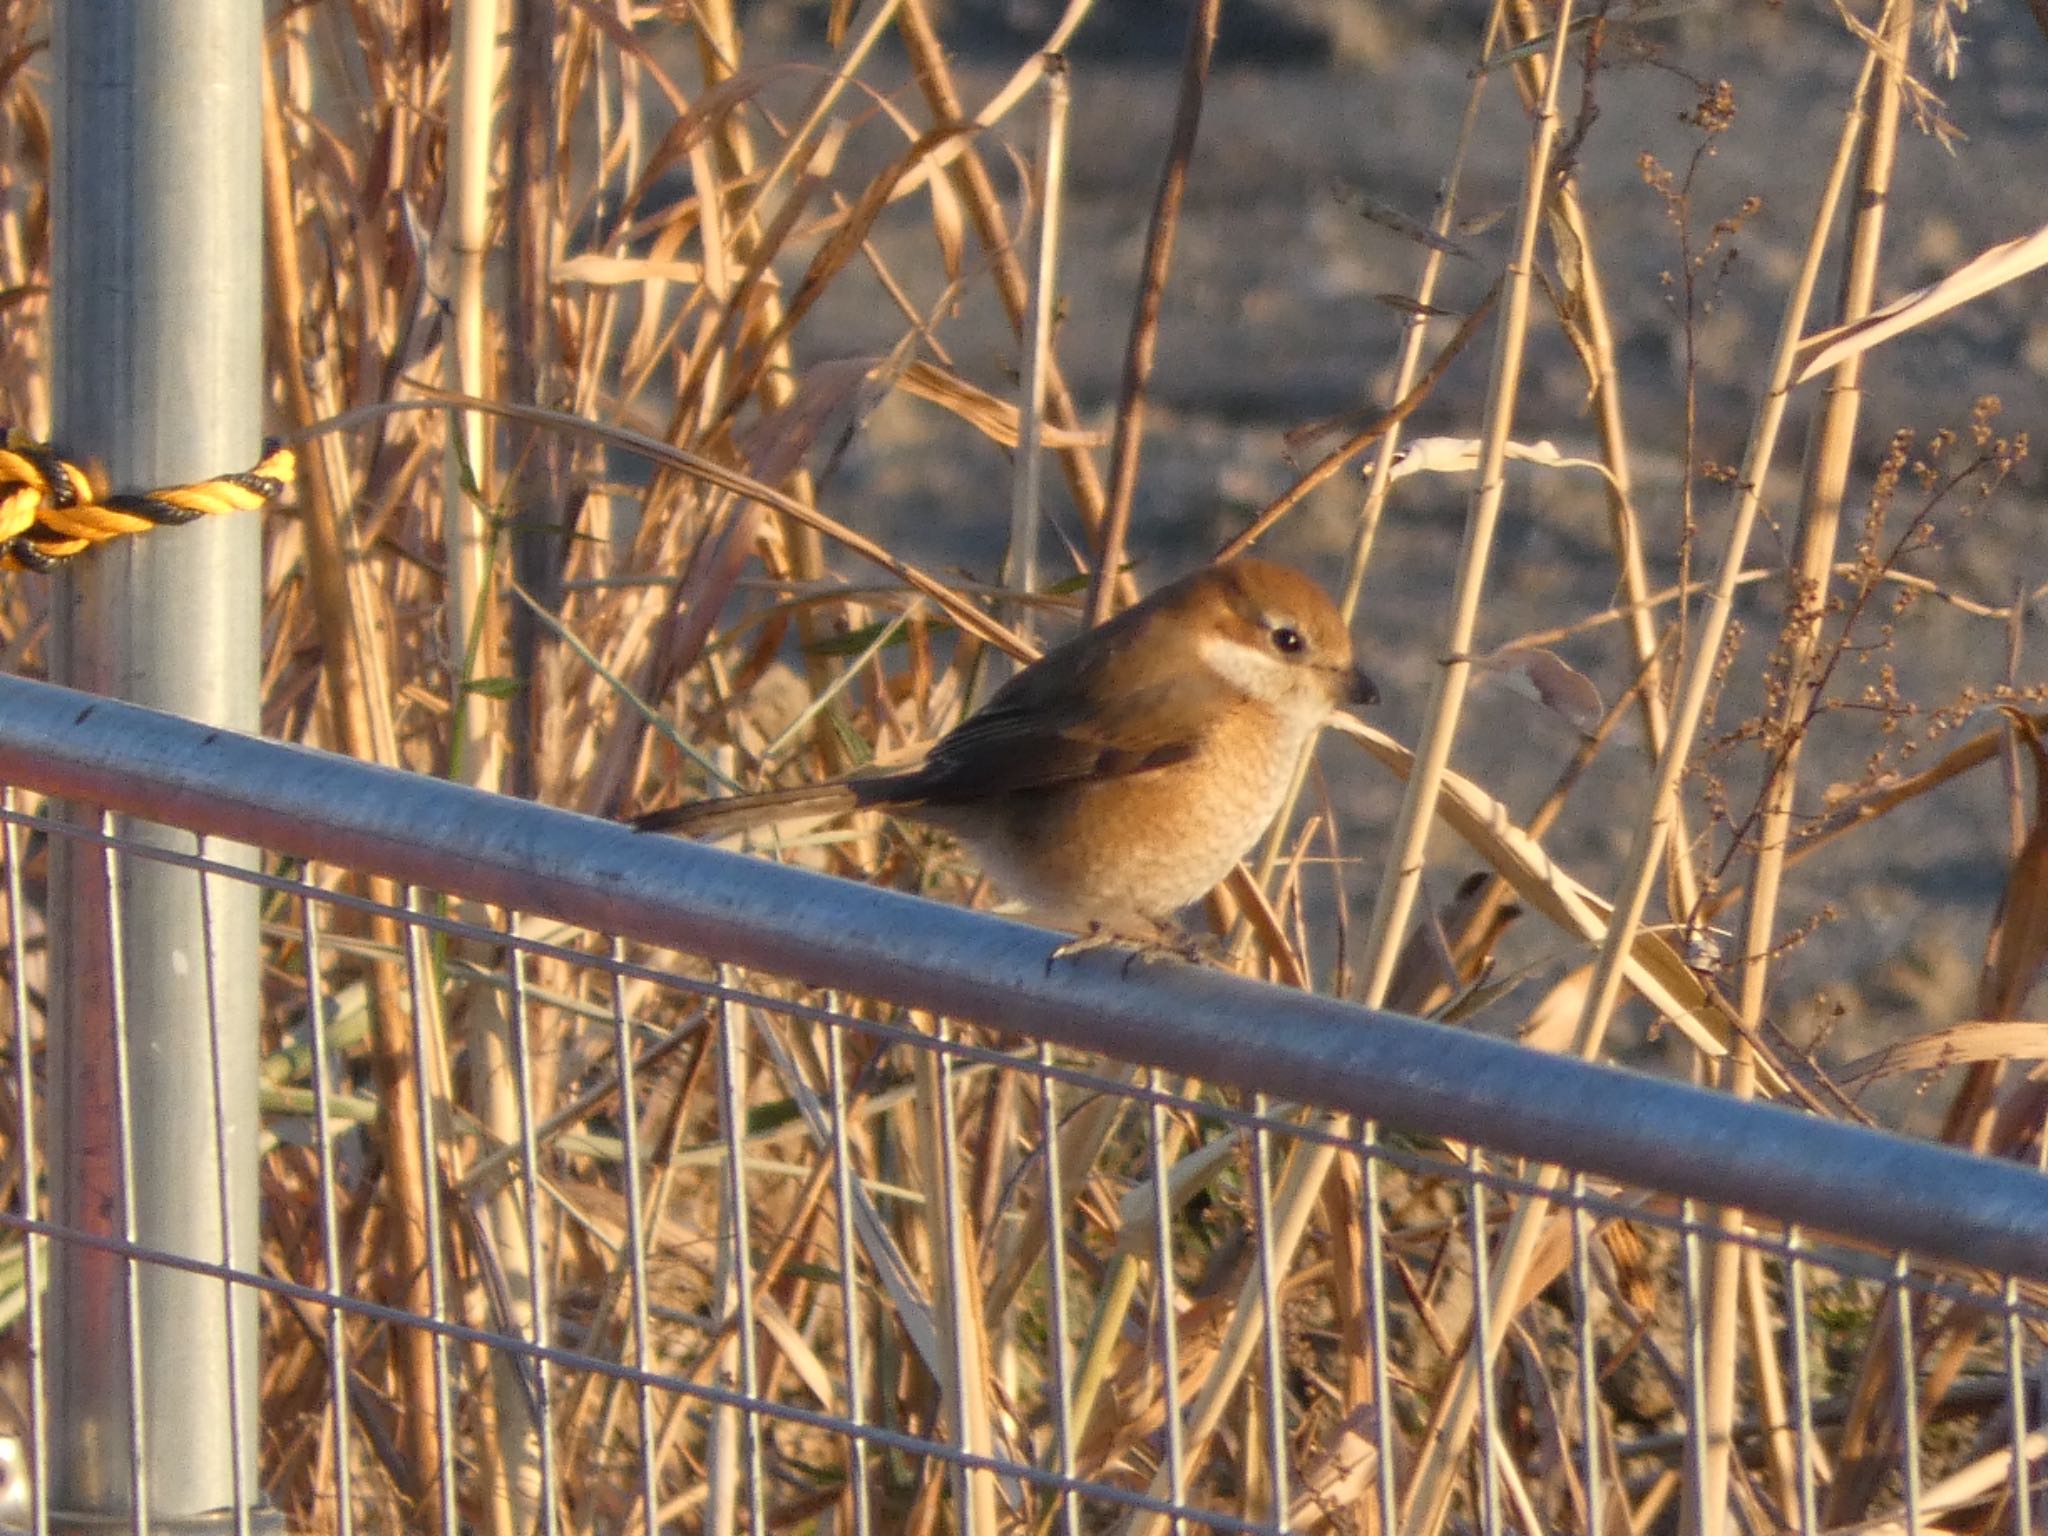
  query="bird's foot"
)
[{"x": 1163, "y": 942}]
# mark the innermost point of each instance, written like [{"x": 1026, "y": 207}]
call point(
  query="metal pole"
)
[{"x": 158, "y": 299}]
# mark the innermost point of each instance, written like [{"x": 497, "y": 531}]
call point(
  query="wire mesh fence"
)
[{"x": 567, "y": 1226}]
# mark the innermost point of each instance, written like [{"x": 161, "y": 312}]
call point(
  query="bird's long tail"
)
[{"x": 737, "y": 813}]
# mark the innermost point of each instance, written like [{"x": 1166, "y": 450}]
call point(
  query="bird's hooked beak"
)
[{"x": 1363, "y": 690}]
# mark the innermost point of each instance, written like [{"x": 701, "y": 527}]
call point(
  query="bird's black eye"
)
[{"x": 1288, "y": 641}]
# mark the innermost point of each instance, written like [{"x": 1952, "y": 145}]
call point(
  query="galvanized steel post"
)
[{"x": 158, "y": 300}]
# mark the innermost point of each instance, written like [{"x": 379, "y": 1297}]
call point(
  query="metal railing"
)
[{"x": 755, "y": 1199}]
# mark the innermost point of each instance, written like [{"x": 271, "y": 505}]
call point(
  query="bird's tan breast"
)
[{"x": 1148, "y": 843}]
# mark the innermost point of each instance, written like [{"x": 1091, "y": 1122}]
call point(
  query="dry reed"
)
[{"x": 570, "y": 265}]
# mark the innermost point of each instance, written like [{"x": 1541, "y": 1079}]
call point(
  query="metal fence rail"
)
[{"x": 847, "y": 1224}]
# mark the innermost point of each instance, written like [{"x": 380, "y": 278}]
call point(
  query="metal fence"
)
[{"x": 615, "y": 1184}]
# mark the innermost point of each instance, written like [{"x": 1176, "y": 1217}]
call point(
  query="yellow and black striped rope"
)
[{"x": 50, "y": 509}]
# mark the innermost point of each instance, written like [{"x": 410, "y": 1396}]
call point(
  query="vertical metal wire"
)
[
  {"x": 124, "y": 1120},
  {"x": 1166, "y": 1291},
  {"x": 2016, "y": 1406},
  {"x": 1909, "y": 1388},
  {"x": 1376, "y": 1306},
  {"x": 418, "y": 968},
  {"x": 1482, "y": 1335},
  {"x": 2040, "y": 1387},
  {"x": 1695, "y": 1363},
  {"x": 539, "y": 1278},
  {"x": 733, "y": 1113},
  {"x": 2023, "y": 1516},
  {"x": 965, "y": 1328},
  {"x": 1062, "y": 1358},
  {"x": 330, "y": 1221},
  {"x": 849, "y": 1288},
  {"x": 224, "y": 1176},
  {"x": 1269, "y": 1298},
  {"x": 1802, "y": 1381},
  {"x": 636, "y": 1238},
  {"x": 30, "y": 1154},
  {"x": 1588, "y": 1363}
]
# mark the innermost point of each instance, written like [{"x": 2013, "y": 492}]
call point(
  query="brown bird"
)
[{"x": 1122, "y": 775}]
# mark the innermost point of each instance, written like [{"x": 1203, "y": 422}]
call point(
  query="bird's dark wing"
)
[{"x": 1039, "y": 733}]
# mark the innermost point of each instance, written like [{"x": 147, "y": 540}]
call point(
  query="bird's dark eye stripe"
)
[{"x": 1287, "y": 640}]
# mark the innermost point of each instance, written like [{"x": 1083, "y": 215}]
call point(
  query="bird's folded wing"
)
[{"x": 1018, "y": 743}]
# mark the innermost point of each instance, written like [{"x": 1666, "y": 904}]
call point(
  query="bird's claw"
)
[{"x": 1164, "y": 943}]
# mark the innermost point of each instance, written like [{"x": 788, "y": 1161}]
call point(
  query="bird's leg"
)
[
  {"x": 1172, "y": 940},
  {"x": 1154, "y": 941},
  {"x": 1097, "y": 935}
]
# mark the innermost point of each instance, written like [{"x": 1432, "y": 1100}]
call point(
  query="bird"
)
[{"x": 1121, "y": 776}]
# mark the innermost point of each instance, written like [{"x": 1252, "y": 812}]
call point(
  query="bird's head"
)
[{"x": 1269, "y": 633}]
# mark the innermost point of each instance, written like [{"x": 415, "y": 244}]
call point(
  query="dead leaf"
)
[
  {"x": 2018, "y": 946},
  {"x": 1851, "y": 809},
  {"x": 1341, "y": 1476},
  {"x": 1995, "y": 268},
  {"x": 694, "y": 119},
  {"x": 994, "y": 417},
  {"x": 1956, "y": 1046},
  {"x": 1551, "y": 1023},
  {"x": 829, "y": 403},
  {"x": 1387, "y": 216},
  {"x": 1652, "y": 967},
  {"x": 1460, "y": 455},
  {"x": 1407, "y": 306},
  {"x": 836, "y": 20},
  {"x": 949, "y": 226},
  {"x": 600, "y": 271},
  {"x": 1428, "y": 973},
  {"x": 1547, "y": 678},
  {"x": 2019, "y": 934}
]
